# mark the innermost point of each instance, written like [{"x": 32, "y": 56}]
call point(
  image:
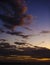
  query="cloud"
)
[
  {"x": 45, "y": 32},
  {"x": 14, "y": 33},
  {"x": 4, "y": 45},
  {"x": 19, "y": 43},
  {"x": 1, "y": 30},
  {"x": 3, "y": 40},
  {"x": 36, "y": 52},
  {"x": 27, "y": 28},
  {"x": 25, "y": 36},
  {"x": 18, "y": 19},
  {"x": 6, "y": 49},
  {"x": 18, "y": 34}
]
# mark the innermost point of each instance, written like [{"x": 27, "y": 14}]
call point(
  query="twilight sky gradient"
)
[{"x": 41, "y": 10}]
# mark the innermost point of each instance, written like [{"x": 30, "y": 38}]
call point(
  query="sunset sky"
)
[{"x": 40, "y": 9}]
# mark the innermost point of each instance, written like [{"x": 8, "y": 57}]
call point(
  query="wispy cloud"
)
[
  {"x": 45, "y": 32},
  {"x": 20, "y": 43},
  {"x": 3, "y": 40},
  {"x": 18, "y": 34},
  {"x": 14, "y": 33}
]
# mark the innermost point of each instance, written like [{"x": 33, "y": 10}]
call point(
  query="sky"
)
[{"x": 40, "y": 9}]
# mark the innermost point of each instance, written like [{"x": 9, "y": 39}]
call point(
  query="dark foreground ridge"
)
[{"x": 25, "y": 63}]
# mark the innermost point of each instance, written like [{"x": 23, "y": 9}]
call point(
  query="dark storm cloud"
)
[{"x": 19, "y": 7}]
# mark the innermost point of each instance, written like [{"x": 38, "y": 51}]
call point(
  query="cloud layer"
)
[{"x": 36, "y": 52}]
